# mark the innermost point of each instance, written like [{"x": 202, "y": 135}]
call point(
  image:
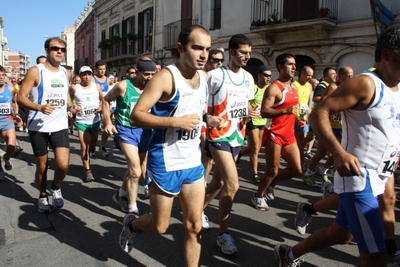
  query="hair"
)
[
  {"x": 214, "y": 52},
  {"x": 282, "y": 58},
  {"x": 2, "y": 69},
  {"x": 128, "y": 69},
  {"x": 39, "y": 57},
  {"x": 326, "y": 71},
  {"x": 342, "y": 70},
  {"x": 389, "y": 40},
  {"x": 58, "y": 39},
  {"x": 183, "y": 37},
  {"x": 99, "y": 63},
  {"x": 157, "y": 62},
  {"x": 237, "y": 40}
]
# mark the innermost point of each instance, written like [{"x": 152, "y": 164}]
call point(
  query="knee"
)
[
  {"x": 193, "y": 227},
  {"x": 296, "y": 171},
  {"x": 272, "y": 172},
  {"x": 344, "y": 237},
  {"x": 160, "y": 228},
  {"x": 133, "y": 173},
  {"x": 232, "y": 186}
]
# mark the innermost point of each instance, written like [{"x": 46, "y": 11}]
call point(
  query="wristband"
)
[{"x": 205, "y": 115}]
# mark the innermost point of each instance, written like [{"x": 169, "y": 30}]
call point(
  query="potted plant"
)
[
  {"x": 103, "y": 45},
  {"x": 115, "y": 39},
  {"x": 323, "y": 12},
  {"x": 131, "y": 36}
]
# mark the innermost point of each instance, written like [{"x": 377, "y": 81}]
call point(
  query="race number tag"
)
[
  {"x": 88, "y": 110},
  {"x": 56, "y": 98},
  {"x": 5, "y": 108},
  {"x": 389, "y": 160},
  {"x": 304, "y": 109},
  {"x": 183, "y": 135},
  {"x": 237, "y": 107}
]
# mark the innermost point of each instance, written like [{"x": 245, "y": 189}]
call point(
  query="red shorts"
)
[{"x": 278, "y": 139}]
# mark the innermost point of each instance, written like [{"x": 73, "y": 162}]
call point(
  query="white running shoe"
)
[
  {"x": 226, "y": 243},
  {"x": 204, "y": 219},
  {"x": 126, "y": 236},
  {"x": 43, "y": 205},
  {"x": 260, "y": 203},
  {"x": 58, "y": 200},
  {"x": 302, "y": 219}
]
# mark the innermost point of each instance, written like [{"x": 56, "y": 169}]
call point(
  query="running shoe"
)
[
  {"x": 126, "y": 236},
  {"x": 322, "y": 177},
  {"x": 43, "y": 205},
  {"x": 93, "y": 154},
  {"x": 104, "y": 152},
  {"x": 204, "y": 219},
  {"x": 122, "y": 201},
  {"x": 226, "y": 243},
  {"x": 89, "y": 176},
  {"x": 302, "y": 219},
  {"x": 308, "y": 155},
  {"x": 395, "y": 258},
  {"x": 270, "y": 192},
  {"x": 256, "y": 179},
  {"x": 7, "y": 163},
  {"x": 327, "y": 189},
  {"x": 260, "y": 203},
  {"x": 281, "y": 252},
  {"x": 309, "y": 180},
  {"x": 58, "y": 200},
  {"x": 146, "y": 191}
]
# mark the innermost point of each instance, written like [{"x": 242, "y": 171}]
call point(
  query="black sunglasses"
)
[
  {"x": 217, "y": 59},
  {"x": 266, "y": 75},
  {"x": 57, "y": 48}
]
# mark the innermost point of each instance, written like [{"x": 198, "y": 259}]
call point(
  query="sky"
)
[{"x": 28, "y": 23}]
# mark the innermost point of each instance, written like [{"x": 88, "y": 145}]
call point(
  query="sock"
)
[
  {"x": 223, "y": 233},
  {"x": 308, "y": 172},
  {"x": 391, "y": 246},
  {"x": 88, "y": 170},
  {"x": 45, "y": 196},
  {"x": 290, "y": 254},
  {"x": 122, "y": 192},
  {"x": 54, "y": 187},
  {"x": 309, "y": 209},
  {"x": 323, "y": 171},
  {"x": 132, "y": 207}
]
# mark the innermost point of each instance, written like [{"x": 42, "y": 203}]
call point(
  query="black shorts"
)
[
  {"x": 250, "y": 126},
  {"x": 40, "y": 141},
  {"x": 224, "y": 146}
]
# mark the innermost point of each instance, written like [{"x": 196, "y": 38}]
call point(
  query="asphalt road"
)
[{"x": 85, "y": 231}]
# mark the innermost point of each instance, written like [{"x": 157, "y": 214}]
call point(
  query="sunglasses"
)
[
  {"x": 266, "y": 75},
  {"x": 217, "y": 60},
  {"x": 57, "y": 48}
]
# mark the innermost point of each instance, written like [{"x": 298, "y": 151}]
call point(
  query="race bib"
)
[
  {"x": 304, "y": 109},
  {"x": 5, "y": 108},
  {"x": 89, "y": 110},
  {"x": 186, "y": 135},
  {"x": 56, "y": 98},
  {"x": 388, "y": 162}
]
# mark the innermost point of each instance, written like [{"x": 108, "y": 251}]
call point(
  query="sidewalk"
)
[{"x": 85, "y": 231}]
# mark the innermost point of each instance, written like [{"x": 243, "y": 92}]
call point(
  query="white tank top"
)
[
  {"x": 366, "y": 133},
  {"x": 52, "y": 88},
  {"x": 88, "y": 100},
  {"x": 174, "y": 149}
]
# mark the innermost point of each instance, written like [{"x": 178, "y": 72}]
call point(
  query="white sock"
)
[
  {"x": 308, "y": 172},
  {"x": 122, "y": 192},
  {"x": 290, "y": 255},
  {"x": 132, "y": 207}
]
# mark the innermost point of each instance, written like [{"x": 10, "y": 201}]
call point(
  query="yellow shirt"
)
[{"x": 304, "y": 92}]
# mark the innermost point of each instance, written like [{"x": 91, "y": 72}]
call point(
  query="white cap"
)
[
  {"x": 85, "y": 69},
  {"x": 111, "y": 77}
]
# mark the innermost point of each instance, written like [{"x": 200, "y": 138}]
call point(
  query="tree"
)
[{"x": 1, "y": 22}]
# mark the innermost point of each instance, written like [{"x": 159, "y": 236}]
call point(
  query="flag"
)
[{"x": 381, "y": 15}]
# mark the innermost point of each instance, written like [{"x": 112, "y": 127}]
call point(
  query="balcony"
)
[
  {"x": 274, "y": 17},
  {"x": 172, "y": 30}
]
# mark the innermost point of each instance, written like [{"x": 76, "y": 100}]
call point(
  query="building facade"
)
[
  {"x": 16, "y": 63},
  {"x": 320, "y": 33}
]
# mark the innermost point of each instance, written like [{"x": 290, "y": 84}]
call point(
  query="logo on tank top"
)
[
  {"x": 56, "y": 83},
  {"x": 187, "y": 94}
]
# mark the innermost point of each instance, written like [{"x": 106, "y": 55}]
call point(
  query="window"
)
[
  {"x": 215, "y": 22},
  {"x": 128, "y": 36},
  {"x": 114, "y": 36},
  {"x": 145, "y": 30}
]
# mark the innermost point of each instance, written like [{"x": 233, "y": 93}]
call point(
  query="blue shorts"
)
[
  {"x": 221, "y": 146},
  {"x": 6, "y": 123},
  {"x": 337, "y": 132},
  {"x": 298, "y": 129},
  {"x": 171, "y": 182},
  {"x": 362, "y": 217},
  {"x": 138, "y": 137}
]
